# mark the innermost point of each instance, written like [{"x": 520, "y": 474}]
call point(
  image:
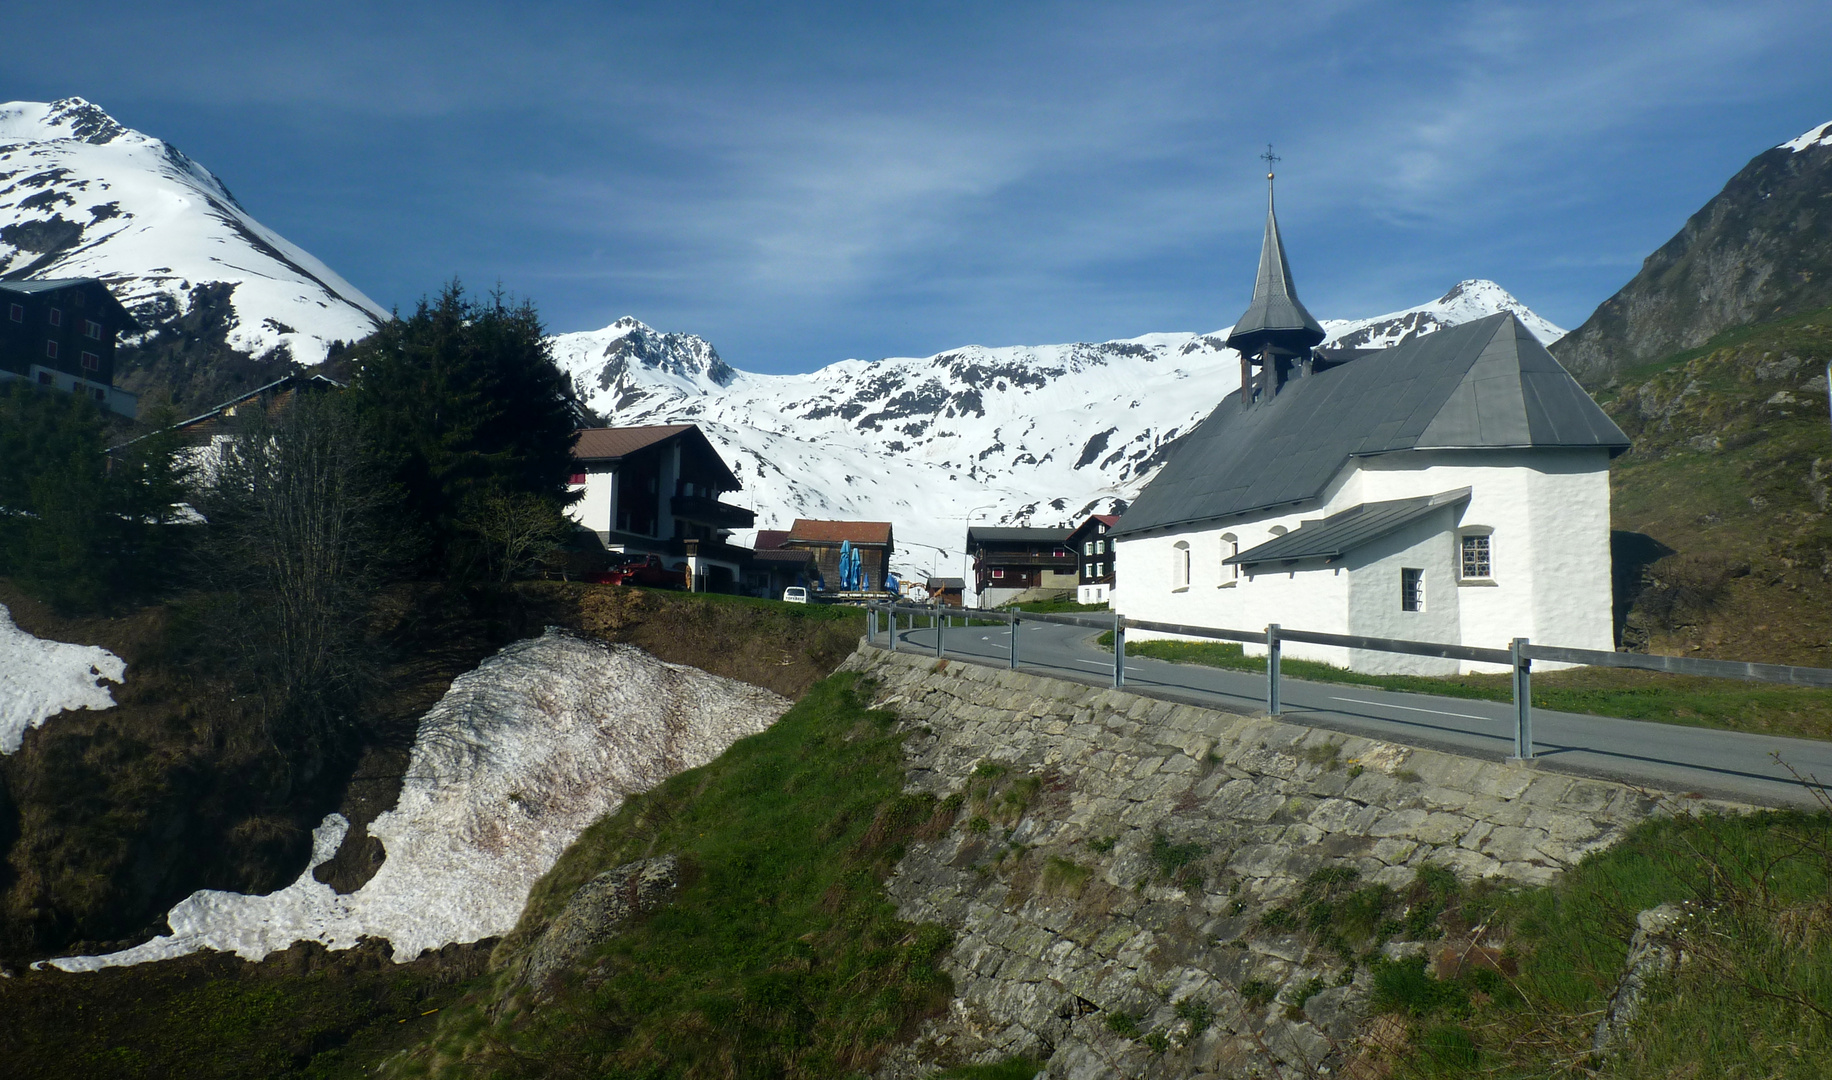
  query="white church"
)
[{"x": 1453, "y": 488}]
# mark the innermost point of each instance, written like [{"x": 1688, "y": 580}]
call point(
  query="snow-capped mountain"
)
[
  {"x": 83, "y": 196},
  {"x": 1034, "y": 435}
]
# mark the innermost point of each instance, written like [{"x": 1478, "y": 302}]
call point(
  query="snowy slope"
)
[
  {"x": 82, "y": 196},
  {"x": 1035, "y": 435},
  {"x": 39, "y": 679},
  {"x": 523, "y": 753}
]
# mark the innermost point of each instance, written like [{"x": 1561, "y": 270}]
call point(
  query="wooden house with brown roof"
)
[{"x": 872, "y": 539}]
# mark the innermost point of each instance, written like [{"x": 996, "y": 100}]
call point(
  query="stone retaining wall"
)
[{"x": 1113, "y": 854}]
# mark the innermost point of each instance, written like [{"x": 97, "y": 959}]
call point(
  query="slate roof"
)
[
  {"x": 955, "y": 583},
  {"x": 1275, "y": 314},
  {"x": 992, "y": 535},
  {"x": 808, "y": 531},
  {"x": 1340, "y": 533},
  {"x": 1487, "y": 384}
]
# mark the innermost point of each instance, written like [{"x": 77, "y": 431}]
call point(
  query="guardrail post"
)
[
  {"x": 1523, "y": 701},
  {"x": 1014, "y": 641},
  {"x": 1272, "y": 669},
  {"x": 871, "y": 624},
  {"x": 1119, "y": 650},
  {"x": 893, "y": 612},
  {"x": 936, "y": 619}
]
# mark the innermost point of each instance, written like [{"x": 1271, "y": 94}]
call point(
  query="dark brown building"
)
[
  {"x": 1010, "y": 562},
  {"x": 61, "y": 333},
  {"x": 1089, "y": 542}
]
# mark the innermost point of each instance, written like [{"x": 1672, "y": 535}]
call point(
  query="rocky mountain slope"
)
[
  {"x": 83, "y": 196},
  {"x": 1760, "y": 249},
  {"x": 1019, "y": 434}
]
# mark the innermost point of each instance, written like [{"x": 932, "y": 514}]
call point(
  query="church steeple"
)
[{"x": 1276, "y": 330}]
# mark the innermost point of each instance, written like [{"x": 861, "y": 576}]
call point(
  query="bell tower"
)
[{"x": 1276, "y": 333}]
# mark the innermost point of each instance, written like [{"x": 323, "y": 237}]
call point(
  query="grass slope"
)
[
  {"x": 779, "y": 956},
  {"x": 1753, "y": 997},
  {"x": 1638, "y": 695},
  {"x": 1729, "y": 473}
]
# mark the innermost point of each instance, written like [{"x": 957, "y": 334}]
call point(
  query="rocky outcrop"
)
[
  {"x": 1654, "y": 951},
  {"x": 1128, "y": 879},
  {"x": 1757, "y": 251},
  {"x": 595, "y": 912}
]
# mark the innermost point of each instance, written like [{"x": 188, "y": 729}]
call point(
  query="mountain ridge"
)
[
  {"x": 1032, "y": 434},
  {"x": 82, "y": 195},
  {"x": 1760, "y": 249}
]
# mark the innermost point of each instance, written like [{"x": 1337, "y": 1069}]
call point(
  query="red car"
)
[{"x": 644, "y": 570}]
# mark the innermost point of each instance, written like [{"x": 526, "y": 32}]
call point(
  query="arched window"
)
[
  {"x": 1180, "y": 567},
  {"x": 1278, "y": 530},
  {"x": 1230, "y": 547}
]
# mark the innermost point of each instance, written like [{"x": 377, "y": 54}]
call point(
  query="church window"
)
[
  {"x": 1278, "y": 530},
  {"x": 1180, "y": 567},
  {"x": 1411, "y": 589},
  {"x": 1475, "y": 561},
  {"x": 1230, "y": 547}
]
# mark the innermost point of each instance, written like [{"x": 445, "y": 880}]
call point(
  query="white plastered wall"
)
[
  {"x": 1546, "y": 513},
  {"x": 594, "y": 510}
]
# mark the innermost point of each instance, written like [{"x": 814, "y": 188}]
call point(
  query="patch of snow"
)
[
  {"x": 1819, "y": 136},
  {"x": 39, "y": 679},
  {"x": 517, "y": 759}
]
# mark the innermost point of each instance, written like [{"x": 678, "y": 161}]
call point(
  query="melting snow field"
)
[
  {"x": 39, "y": 679},
  {"x": 514, "y": 762}
]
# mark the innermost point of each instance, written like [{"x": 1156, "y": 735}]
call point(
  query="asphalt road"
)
[{"x": 1672, "y": 757}]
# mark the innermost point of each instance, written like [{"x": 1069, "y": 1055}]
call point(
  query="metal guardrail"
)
[{"x": 1518, "y": 657}]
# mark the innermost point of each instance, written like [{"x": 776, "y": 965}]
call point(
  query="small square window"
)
[
  {"x": 51, "y": 349},
  {"x": 16, "y": 313},
  {"x": 1411, "y": 589},
  {"x": 92, "y": 329},
  {"x": 54, "y": 317},
  {"x": 1476, "y": 557},
  {"x": 44, "y": 378},
  {"x": 576, "y": 478},
  {"x": 91, "y": 362},
  {"x": 998, "y": 572}
]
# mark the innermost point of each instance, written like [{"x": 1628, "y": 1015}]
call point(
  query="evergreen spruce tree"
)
[
  {"x": 461, "y": 403},
  {"x": 79, "y": 527}
]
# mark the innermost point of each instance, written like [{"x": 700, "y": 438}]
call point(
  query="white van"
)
[{"x": 795, "y": 594}]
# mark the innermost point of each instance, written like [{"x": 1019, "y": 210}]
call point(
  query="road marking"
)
[
  {"x": 1108, "y": 665},
  {"x": 1409, "y": 708}
]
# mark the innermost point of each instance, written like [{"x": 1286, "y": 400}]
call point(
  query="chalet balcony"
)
[
  {"x": 1061, "y": 560},
  {"x": 711, "y": 512}
]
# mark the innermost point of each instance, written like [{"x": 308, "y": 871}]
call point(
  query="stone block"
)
[
  {"x": 1468, "y": 865},
  {"x": 1343, "y": 815},
  {"x": 1399, "y": 823},
  {"x": 1441, "y": 828}
]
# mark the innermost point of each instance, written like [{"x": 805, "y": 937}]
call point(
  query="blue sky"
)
[{"x": 805, "y": 183}]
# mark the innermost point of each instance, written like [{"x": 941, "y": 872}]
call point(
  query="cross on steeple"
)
[{"x": 1270, "y": 158}]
